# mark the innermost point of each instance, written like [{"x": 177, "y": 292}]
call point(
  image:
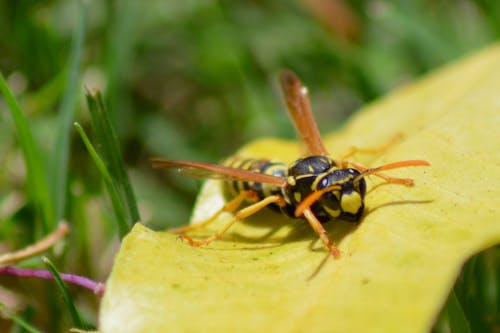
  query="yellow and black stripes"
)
[
  {"x": 264, "y": 166},
  {"x": 305, "y": 176}
]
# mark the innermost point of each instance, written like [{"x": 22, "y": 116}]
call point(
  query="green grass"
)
[
  {"x": 66, "y": 295},
  {"x": 37, "y": 184},
  {"x": 22, "y": 324},
  {"x": 66, "y": 113},
  {"x": 189, "y": 80}
]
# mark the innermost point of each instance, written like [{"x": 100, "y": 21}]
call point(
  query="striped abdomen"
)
[{"x": 268, "y": 167}]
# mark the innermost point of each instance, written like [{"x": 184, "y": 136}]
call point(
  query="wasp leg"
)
[
  {"x": 241, "y": 214},
  {"x": 354, "y": 150},
  {"x": 321, "y": 232},
  {"x": 229, "y": 207}
]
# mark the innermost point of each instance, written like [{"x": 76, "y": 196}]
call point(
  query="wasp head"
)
[{"x": 336, "y": 193}]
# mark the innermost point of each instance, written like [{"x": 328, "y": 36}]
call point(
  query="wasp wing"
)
[
  {"x": 299, "y": 108},
  {"x": 216, "y": 171}
]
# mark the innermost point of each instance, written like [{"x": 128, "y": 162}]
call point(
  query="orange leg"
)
[
  {"x": 355, "y": 150},
  {"x": 243, "y": 213},
  {"x": 321, "y": 232},
  {"x": 229, "y": 207}
]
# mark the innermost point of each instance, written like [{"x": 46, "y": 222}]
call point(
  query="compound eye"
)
[
  {"x": 353, "y": 172},
  {"x": 360, "y": 185}
]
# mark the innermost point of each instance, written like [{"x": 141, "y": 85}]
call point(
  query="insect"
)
[{"x": 316, "y": 187}]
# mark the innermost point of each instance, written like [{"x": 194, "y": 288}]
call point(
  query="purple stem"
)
[{"x": 96, "y": 287}]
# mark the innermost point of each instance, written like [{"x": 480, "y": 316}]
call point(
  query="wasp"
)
[{"x": 316, "y": 187}]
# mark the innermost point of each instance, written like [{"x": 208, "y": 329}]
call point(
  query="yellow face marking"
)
[
  {"x": 297, "y": 196},
  {"x": 291, "y": 181},
  {"x": 350, "y": 203},
  {"x": 331, "y": 212},
  {"x": 336, "y": 194}
]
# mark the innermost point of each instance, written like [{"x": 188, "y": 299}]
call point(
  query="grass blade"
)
[
  {"x": 66, "y": 114},
  {"x": 77, "y": 321},
  {"x": 123, "y": 226},
  {"x": 110, "y": 151},
  {"x": 19, "y": 320},
  {"x": 456, "y": 316},
  {"x": 37, "y": 176},
  {"x": 119, "y": 53}
]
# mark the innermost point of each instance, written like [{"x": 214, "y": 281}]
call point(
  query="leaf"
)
[{"x": 398, "y": 265}]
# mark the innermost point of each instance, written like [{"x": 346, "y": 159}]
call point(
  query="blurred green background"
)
[{"x": 195, "y": 80}]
